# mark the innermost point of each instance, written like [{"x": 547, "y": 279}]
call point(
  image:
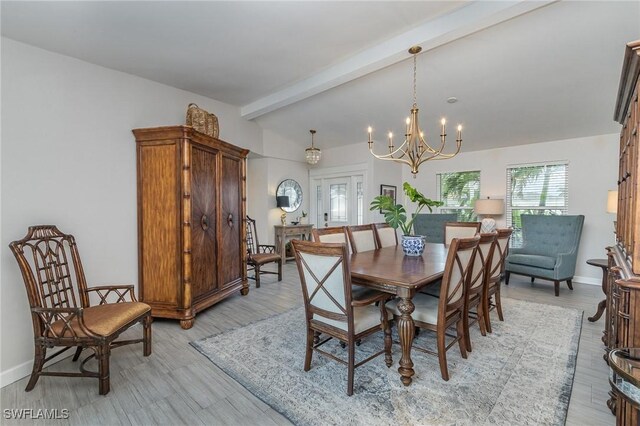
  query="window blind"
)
[{"x": 535, "y": 189}]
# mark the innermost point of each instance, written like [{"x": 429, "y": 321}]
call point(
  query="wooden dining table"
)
[{"x": 390, "y": 270}]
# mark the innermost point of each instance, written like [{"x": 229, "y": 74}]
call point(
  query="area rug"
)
[{"x": 521, "y": 374}]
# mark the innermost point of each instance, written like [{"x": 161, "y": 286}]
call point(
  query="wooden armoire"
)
[
  {"x": 622, "y": 319},
  {"x": 191, "y": 221}
]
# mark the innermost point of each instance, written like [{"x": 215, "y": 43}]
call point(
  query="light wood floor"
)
[{"x": 178, "y": 385}]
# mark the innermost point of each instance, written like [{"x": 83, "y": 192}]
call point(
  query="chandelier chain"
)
[{"x": 414, "y": 79}]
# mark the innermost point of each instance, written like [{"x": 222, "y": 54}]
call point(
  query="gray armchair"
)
[
  {"x": 431, "y": 225},
  {"x": 549, "y": 250}
]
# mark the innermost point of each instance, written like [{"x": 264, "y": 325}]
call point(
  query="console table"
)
[{"x": 282, "y": 232}]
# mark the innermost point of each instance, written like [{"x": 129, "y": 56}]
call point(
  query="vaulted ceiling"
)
[{"x": 523, "y": 72}]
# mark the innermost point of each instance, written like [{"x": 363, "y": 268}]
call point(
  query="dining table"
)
[{"x": 389, "y": 270}]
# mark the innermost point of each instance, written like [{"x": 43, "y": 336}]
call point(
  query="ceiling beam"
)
[{"x": 464, "y": 21}]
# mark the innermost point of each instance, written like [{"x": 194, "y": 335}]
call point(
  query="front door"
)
[{"x": 339, "y": 201}]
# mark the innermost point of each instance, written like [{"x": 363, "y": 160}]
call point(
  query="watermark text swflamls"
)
[{"x": 35, "y": 414}]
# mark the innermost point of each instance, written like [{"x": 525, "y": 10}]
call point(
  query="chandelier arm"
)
[
  {"x": 391, "y": 154},
  {"x": 388, "y": 158}
]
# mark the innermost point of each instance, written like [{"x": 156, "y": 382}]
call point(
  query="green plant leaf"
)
[{"x": 395, "y": 214}]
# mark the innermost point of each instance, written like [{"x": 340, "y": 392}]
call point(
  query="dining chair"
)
[
  {"x": 494, "y": 276},
  {"x": 476, "y": 287},
  {"x": 460, "y": 230},
  {"x": 330, "y": 309},
  {"x": 62, "y": 314},
  {"x": 439, "y": 314},
  {"x": 334, "y": 234},
  {"x": 386, "y": 236},
  {"x": 362, "y": 237}
]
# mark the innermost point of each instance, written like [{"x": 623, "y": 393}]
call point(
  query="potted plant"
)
[{"x": 396, "y": 216}]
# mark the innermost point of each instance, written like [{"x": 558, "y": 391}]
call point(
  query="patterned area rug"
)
[{"x": 521, "y": 374}]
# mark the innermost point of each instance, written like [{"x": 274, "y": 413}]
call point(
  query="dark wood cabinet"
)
[
  {"x": 622, "y": 319},
  {"x": 191, "y": 221}
]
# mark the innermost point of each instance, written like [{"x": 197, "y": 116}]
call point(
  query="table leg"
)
[
  {"x": 605, "y": 290},
  {"x": 406, "y": 331},
  {"x": 598, "y": 314}
]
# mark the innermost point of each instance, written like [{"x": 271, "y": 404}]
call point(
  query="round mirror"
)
[{"x": 291, "y": 189}]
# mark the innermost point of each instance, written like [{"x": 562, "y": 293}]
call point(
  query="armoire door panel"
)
[
  {"x": 159, "y": 223},
  {"x": 203, "y": 221},
  {"x": 231, "y": 223}
]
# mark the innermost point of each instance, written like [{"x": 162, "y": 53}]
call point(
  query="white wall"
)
[
  {"x": 593, "y": 169},
  {"x": 264, "y": 175},
  {"x": 68, "y": 158}
]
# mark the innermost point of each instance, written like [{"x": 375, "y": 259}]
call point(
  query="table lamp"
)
[
  {"x": 282, "y": 201},
  {"x": 488, "y": 207}
]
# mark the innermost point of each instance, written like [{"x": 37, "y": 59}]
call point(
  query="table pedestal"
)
[{"x": 604, "y": 264}]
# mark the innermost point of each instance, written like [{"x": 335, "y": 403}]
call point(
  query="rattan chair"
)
[
  {"x": 260, "y": 254},
  {"x": 330, "y": 308},
  {"x": 61, "y": 310},
  {"x": 386, "y": 236},
  {"x": 438, "y": 314},
  {"x": 494, "y": 276}
]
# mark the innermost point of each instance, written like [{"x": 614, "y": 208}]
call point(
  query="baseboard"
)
[
  {"x": 16, "y": 373},
  {"x": 587, "y": 280}
]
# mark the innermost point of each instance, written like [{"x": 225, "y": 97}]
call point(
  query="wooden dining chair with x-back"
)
[
  {"x": 460, "y": 230},
  {"x": 332, "y": 234},
  {"x": 494, "y": 276},
  {"x": 438, "y": 314},
  {"x": 330, "y": 309},
  {"x": 386, "y": 236},
  {"x": 362, "y": 238},
  {"x": 476, "y": 286}
]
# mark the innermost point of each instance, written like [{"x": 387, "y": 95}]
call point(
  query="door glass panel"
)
[
  {"x": 338, "y": 202},
  {"x": 319, "y": 208},
  {"x": 360, "y": 203}
]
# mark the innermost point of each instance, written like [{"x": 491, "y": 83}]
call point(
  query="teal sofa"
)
[
  {"x": 549, "y": 250},
  {"x": 431, "y": 225}
]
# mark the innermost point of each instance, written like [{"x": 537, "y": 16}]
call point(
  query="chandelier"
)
[
  {"x": 415, "y": 150},
  {"x": 313, "y": 154}
]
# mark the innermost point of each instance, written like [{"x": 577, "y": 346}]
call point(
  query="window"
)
[
  {"x": 458, "y": 191},
  {"x": 360, "y": 202},
  {"x": 338, "y": 202},
  {"x": 535, "y": 189}
]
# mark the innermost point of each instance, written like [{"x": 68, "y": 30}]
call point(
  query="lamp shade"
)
[
  {"x": 612, "y": 201},
  {"x": 489, "y": 206},
  {"x": 282, "y": 201}
]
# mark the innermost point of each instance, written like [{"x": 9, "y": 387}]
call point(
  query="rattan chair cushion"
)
[
  {"x": 262, "y": 258},
  {"x": 103, "y": 320}
]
